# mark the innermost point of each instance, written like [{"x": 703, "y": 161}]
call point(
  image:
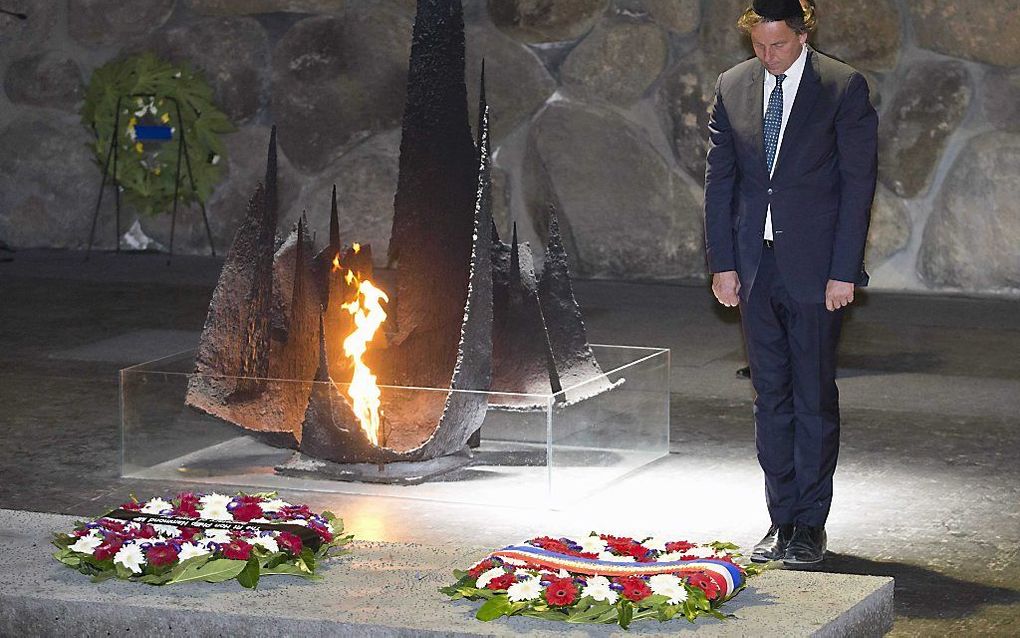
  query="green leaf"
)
[
  {"x": 626, "y": 614},
  {"x": 494, "y": 608},
  {"x": 546, "y": 614},
  {"x": 213, "y": 571},
  {"x": 106, "y": 575},
  {"x": 290, "y": 569},
  {"x": 249, "y": 576}
]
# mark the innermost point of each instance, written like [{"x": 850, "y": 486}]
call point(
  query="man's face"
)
[{"x": 777, "y": 45}]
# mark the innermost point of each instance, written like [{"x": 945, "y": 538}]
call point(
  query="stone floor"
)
[{"x": 927, "y": 491}]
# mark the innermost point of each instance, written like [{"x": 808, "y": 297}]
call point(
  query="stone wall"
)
[{"x": 598, "y": 106}]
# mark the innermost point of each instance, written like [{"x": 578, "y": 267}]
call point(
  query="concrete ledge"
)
[{"x": 382, "y": 589}]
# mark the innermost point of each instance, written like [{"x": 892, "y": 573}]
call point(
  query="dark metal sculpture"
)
[{"x": 469, "y": 310}]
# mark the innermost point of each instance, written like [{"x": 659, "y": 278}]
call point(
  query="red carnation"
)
[
  {"x": 551, "y": 545},
  {"x": 237, "y": 549},
  {"x": 161, "y": 555},
  {"x": 679, "y": 546},
  {"x": 247, "y": 511},
  {"x": 561, "y": 591},
  {"x": 289, "y": 542},
  {"x": 112, "y": 525},
  {"x": 107, "y": 550},
  {"x": 706, "y": 584},
  {"x": 321, "y": 530},
  {"x": 133, "y": 506},
  {"x": 634, "y": 588},
  {"x": 188, "y": 533},
  {"x": 188, "y": 505},
  {"x": 502, "y": 582},
  {"x": 478, "y": 569},
  {"x": 146, "y": 531},
  {"x": 248, "y": 498}
]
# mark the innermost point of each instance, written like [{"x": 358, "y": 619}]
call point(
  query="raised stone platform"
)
[{"x": 381, "y": 589}]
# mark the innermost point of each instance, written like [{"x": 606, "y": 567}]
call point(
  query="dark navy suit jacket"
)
[{"x": 820, "y": 191}]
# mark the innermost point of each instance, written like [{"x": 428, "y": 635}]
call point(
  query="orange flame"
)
[{"x": 368, "y": 313}]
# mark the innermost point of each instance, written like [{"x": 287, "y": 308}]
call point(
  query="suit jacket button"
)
[{"x": 770, "y": 191}]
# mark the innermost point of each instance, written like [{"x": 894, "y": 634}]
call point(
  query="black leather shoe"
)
[
  {"x": 773, "y": 546},
  {"x": 806, "y": 547}
]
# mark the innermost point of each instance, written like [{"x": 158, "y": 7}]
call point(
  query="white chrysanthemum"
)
[
  {"x": 509, "y": 560},
  {"x": 191, "y": 550},
  {"x": 298, "y": 521},
  {"x": 701, "y": 552},
  {"x": 613, "y": 558},
  {"x": 670, "y": 586},
  {"x": 592, "y": 545},
  {"x": 216, "y": 500},
  {"x": 527, "y": 589},
  {"x": 485, "y": 577},
  {"x": 157, "y": 506},
  {"x": 215, "y": 512},
  {"x": 599, "y": 590},
  {"x": 266, "y": 542},
  {"x": 131, "y": 557},
  {"x": 274, "y": 505},
  {"x": 220, "y": 536},
  {"x": 669, "y": 557},
  {"x": 87, "y": 544},
  {"x": 656, "y": 544},
  {"x": 167, "y": 531}
]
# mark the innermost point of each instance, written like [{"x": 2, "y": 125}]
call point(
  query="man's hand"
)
[
  {"x": 838, "y": 294},
  {"x": 726, "y": 286}
]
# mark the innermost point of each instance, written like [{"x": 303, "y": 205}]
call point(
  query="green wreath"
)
[{"x": 146, "y": 170}]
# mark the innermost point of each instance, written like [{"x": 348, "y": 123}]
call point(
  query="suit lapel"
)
[
  {"x": 807, "y": 93},
  {"x": 756, "y": 107}
]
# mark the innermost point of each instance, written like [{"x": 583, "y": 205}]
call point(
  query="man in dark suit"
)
[{"x": 792, "y": 165}]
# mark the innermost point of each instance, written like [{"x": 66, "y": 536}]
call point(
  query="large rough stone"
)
[
  {"x": 986, "y": 31},
  {"x": 546, "y": 20},
  {"x": 366, "y": 179},
  {"x": 1001, "y": 99},
  {"x": 889, "y": 232},
  {"x": 683, "y": 102},
  {"x": 212, "y": 46},
  {"x": 251, "y": 7},
  {"x": 47, "y": 79},
  {"x": 109, "y": 22},
  {"x": 22, "y": 37},
  {"x": 339, "y": 79},
  {"x": 679, "y": 16},
  {"x": 719, "y": 39},
  {"x": 930, "y": 103},
  {"x": 972, "y": 239},
  {"x": 617, "y": 61},
  {"x": 627, "y": 212},
  {"x": 862, "y": 33},
  {"x": 517, "y": 83},
  {"x": 48, "y": 184}
]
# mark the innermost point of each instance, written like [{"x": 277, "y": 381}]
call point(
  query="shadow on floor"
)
[{"x": 917, "y": 588}]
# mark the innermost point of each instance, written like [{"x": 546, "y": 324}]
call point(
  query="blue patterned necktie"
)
[{"x": 773, "y": 122}]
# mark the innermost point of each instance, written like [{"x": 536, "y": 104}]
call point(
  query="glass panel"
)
[{"x": 526, "y": 458}]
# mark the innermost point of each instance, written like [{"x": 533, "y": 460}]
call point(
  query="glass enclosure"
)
[{"x": 578, "y": 442}]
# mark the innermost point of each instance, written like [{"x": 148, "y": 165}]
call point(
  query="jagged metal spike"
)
[
  {"x": 494, "y": 233},
  {"x": 334, "y": 226},
  {"x": 272, "y": 198},
  {"x": 515, "y": 258},
  {"x": 571, "y": 355},
  {"x": 483, "y": 106},
  {"x": 433, "y": 216}
]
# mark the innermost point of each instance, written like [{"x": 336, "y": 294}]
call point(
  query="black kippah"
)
[{"x": 776, "y": 10}]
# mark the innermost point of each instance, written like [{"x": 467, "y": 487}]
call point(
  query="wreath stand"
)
[{"x": 112, "y": 155}]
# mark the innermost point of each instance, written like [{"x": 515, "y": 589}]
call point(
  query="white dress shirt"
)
[{"x": 790, "y": 86}]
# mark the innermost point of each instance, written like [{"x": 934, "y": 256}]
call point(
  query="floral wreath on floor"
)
[
  {"x": 203, "y": 537},
  {"x": 604, "y": 579}
]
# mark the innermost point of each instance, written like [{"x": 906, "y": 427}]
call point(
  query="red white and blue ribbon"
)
[{"x": 726, "y": 575}]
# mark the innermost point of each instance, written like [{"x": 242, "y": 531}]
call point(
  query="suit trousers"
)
[{"x": 791, "y": 348}]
